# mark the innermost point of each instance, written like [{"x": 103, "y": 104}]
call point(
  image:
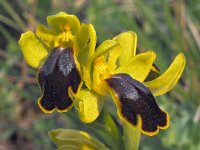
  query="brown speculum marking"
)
[
  {"x": 57, "y": 74},
  {"x": 136, "y": 99}
]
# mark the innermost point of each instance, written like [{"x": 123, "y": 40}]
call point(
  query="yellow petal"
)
[
  {"x": 33, "y": 49},
  {"x": 86, "y": 41},
  {"x": 88, "y": 105},
  {"x": 169, "y": 78},
  {"x": 139, "y": 67},
  {"x": 58, "y": 21},
  {"x": 70, "y": 138},
  {"x": 113, "y": 57},
  {"x": 128, "y": 42},
  {"x": 105, "y": 47},
  {"x": 82, "y": 35},
  {"x": 45, "y": 35}
]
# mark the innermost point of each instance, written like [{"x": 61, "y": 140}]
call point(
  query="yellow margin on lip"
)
[
  {"x": 55, "y": 109},
  {"x": 69, "y": 92},
  {"x": 139, "y": 119}
]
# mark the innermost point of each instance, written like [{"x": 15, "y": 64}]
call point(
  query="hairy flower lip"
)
[
  {"x": 136, "y": 104},
  {"x": 64, "y": 31},
  {"x": 55, "y": 77}
]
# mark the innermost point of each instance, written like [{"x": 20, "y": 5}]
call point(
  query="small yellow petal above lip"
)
[
  {"x": 61, "y": 20},
  {"x": 139, "y": 67},
  {"x": 46, "y": 35},
  {"x": 128, "y": 42},
  {"x": 104, "y": 48},
  {"x": 33, "y": 50},
  {"x": 86, "y": 35},
  {"x": 169, "y": 78},
  {"x": 86, "y": 42},
  {"x": 88, "y": 105}
]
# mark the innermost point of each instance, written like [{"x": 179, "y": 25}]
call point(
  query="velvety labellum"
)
[
  {"x": 135, "y": 99},
  {"x": 58, "y": 73}
]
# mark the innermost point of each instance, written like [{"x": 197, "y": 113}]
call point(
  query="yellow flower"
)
[
  {"x": 74, "y": 139},
  {"x": 64, "y": 54},
  {"x": 58, "y": 52},
  {"x": 116, "y": 69}
]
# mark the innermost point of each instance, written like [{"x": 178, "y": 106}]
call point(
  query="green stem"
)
[{"x": 132, "y": 137}]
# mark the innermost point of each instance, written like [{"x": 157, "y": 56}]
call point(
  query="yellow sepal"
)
[
  {"x": 139, "y": 67},
  {"x": 169, "y": 78},
  {"x": 128, "y": 43},
  {"x": 33, "y": 50},
  {"x": 46, "y": 35},
  {"x": 59, "y": 21},
  {"x": 86, "y": 42}
]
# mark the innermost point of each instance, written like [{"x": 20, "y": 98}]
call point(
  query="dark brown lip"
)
[
  {"x": 58, "y": 73},
  {"x": 136, "y": 99}
]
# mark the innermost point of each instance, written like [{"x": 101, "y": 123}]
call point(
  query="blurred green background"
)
[{"x": 168, "y": 27}]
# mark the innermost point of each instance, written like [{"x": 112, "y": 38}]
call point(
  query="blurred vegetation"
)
[{"x": 167, "y": 27}]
